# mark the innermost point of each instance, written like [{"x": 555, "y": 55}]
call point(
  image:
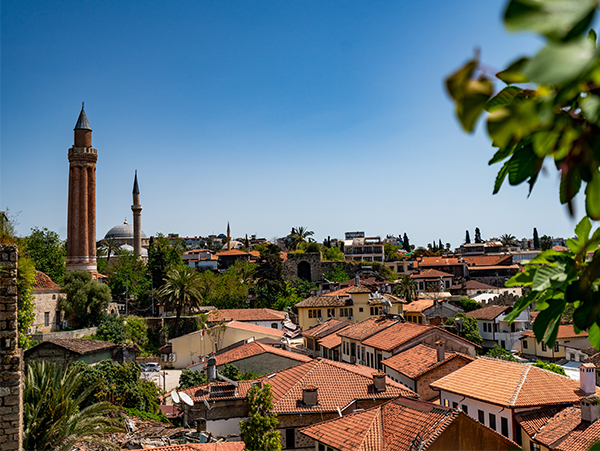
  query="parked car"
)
[{"x": 152, "y": 367}]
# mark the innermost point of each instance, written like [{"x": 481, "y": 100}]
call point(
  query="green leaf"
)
[
  {"x": 520, "y": 305},
  {"x": 456, "y": 84},
  {"x": 583, "y": 229},
  {"x": 470, "y": 106},
  {"x": 501, "y": 154},
  {"x": 594, "y": 335},
  {"x": 544, "y": 142},
  {"x": 592, "y": 36},
  {"x": 557, "y": 64},
  {"x": 521, "y": 165},
  {"x": 503, "y": 98},
  {"x": 514, "y": 72},
  {"x": 521, "y": 278},
  {"x": 592, "y": 197},
  {"x": 556, "y": 19},
  {"x": 543, "y": 276},
  {"x": 570, "y": 183},
  {"x": 552, "y": 331},
  {"x": 590, "y": 107},
  {"x": 550, "y": 315},
  {"x": 500, "y": 178}
]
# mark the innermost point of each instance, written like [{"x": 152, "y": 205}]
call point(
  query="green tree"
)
[
  {"x": 550, "y": 367},
  {"x": 181, "y": 288},
  {"x": 478, "y": 236},
  {"x": 298, "y": 236},
  {"x": 303, "y": 287},
  {"x": 406, "y": 288},
  {"x": 87, "y": 299},
  {"x": 54, "y": 417},
  {"x": 536, "y": 239},
  {"x": 137, "y": 330},
  {"x": 337, "y": 274},
  {"x": 468, "y": 329},
  {"x": 499, "y": 352},
  {"x": 406, "y": 243},
  {"x": 189, "y": 378},
  {"x": 128, "y": 278},
  {"x": 333, "y": 253},
  {"x": 549, "y": 109},
  {"x": 391, "y": 252},
  {"x": 467, "y": 304},
  {"x": 508, "y": 240},
  {"x": 107, "y": 248},
  {"x": 270, "y": 283},
  {"x": 48, "y": 252},
  {"x": 467, "y": 238},
  {"x": 545, "y": 242},
  {"x": 163, "y": 255},
  {"x": 25, "y": 300},
  {"x": 260, "y": 431},
  {"x": 112, "y": 328},
  {"x": 228, "y": 290}
]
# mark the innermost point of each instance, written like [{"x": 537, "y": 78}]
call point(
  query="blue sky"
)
[{"x": 269, "y": 115}]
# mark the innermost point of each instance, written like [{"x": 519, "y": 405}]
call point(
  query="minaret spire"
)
[
  {"x": 228, "y": 237},
  {"x": 136, "y": 208}
]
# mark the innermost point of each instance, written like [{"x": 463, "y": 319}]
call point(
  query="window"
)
[
  {"x": 321, "y": 447},
  {"x": 465, "y": 409},
  {"x": 535, "y": 446},
  {"x": 481, "y": 416},
  {"x": 421, "y": 286},
  {"x": 360, "y": 309},
  {"x": 274, "y": 326},
  {"x": 518, "y": 437},
  {"x": 504, "y": 426},
  {"x": 290, "y": 438},
  {"x": 492, "y": 424},
  {"x": 455, "y": 405},
  {"x": 46, "y": 319},
  {"x": 57, "y": 317},
  {"x": 544, "y": 348},
  {"x": 368, "y": 360},
  {"x": 525, "y": 344},
  {"x": 502, "y": 344},
  {"x": 310, "y": 313},
  {"x": 350, "y": 311},
  {"x": 420, "y": 319}
]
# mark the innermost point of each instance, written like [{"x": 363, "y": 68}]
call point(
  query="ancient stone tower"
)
[
  {"x": 81, "y": 223},
  {"x": 136, "y": 208}
]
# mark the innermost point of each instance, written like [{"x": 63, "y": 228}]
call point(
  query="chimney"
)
[
  {"x": 357, "y": 280},
  {"x": 379, "y": 382},
  {"x": 211, "y": 369},
  {"x": 310, "y": 395},
  {"x": 587, "y": 378},
  {"x": 589, "y": 408},
  {"x": 439, "y": 347}
]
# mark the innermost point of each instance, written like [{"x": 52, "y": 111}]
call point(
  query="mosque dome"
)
[
  {"x": 122, "y": 232},
  {"x": 128, "y": 248}
]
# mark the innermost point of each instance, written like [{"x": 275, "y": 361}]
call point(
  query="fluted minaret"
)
[
  {"x": 81, "y": 221},
  {"x": 136, "y": 208},
  {"x": 228, "y": 237}
]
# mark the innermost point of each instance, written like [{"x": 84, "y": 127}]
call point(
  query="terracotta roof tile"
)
[
  {"x": 510, "y": 384},
  {"x": 254, "y": 328},
  {"x": 255, "y": 348},
  {"x": 438, "y": 261},
  {"x": 489, "y": 313},
  {"x": 324, "y": 301},
  {"x": 534, "y": 421},
  {"x": 487, "y": 260},
  {"x": 418, "y": 306},
  {"x": 387, "y": 297},
  {"x": 332, "y": 341},
  {"x": 472, "y": 285},
  {"x": 44, "y": 283},
  {"x": 220, "y": 446},
  {"x": 80, "y": 346},
  {"x": 324, "y": 329},
  {"x": 249, "y": 314},
  {"x": 232, "y": 253},
  {"x": 395, "y": 335},
  {"x": 359, "y": 289},
  {"x": 327, "y": 375},
  {"x": 341, "y": 292},
  {"x": 566, "y": 331},
  {"x": 430, "y": 274},
  {"x": 368, "y": 327},
  {"x": 420, "y": 359}
]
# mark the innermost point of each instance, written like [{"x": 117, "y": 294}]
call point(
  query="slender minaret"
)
[
  {"x": 228, "y": 237},
  {"x": 81, "y": 221},
  {"x": 136, "y": 208}
]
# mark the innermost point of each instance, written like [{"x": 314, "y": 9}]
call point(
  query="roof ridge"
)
[{"x": 515, "y": 395}]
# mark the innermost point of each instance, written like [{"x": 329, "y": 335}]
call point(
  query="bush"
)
[
  {"x": 500, "y": 353},
  {"x": 189, "y": 378},
  {"x": 137, "y": 330},
  {"x": 113, "y": 329},
  {"x": 550, "y": 367}
]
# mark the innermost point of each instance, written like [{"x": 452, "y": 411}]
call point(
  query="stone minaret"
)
[
  {"x": 81, "y": 223},
  {"x": 136, "y": 208},
  {"x": 228, "y": 237}
]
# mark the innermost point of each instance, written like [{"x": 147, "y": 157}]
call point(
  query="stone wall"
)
[
  {"x": 318, "y": 267},
  {"x": 11, "y": 379},
  {"x": 68, "y": 334},
  {"x": 46, "y": 301}
]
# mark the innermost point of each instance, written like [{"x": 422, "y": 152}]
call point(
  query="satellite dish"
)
[
  {"x": 186, "y": 398},
  {"x": 175, "y": 397}
]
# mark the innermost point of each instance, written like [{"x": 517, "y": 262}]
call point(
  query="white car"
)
[{"x": 152, "y": 367}]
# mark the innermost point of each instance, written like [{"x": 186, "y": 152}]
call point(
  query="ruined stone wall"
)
[
  {"x": 11, "y": 374},
  {"x": 47, "y": 302}
]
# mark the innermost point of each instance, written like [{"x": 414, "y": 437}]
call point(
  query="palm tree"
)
[
  {"x": 297, "y": 236},
  {"x": 53, "y": 418},
  {"x": 107, "y": 247},
  {"x": 508, "y": 239},
  {"x": 406, "y": 288},
  {"x": 181, "y": 287}
]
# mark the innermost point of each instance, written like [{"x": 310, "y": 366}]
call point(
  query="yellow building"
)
[
  {"x": 531, "y": 348},
  {"x": 353, "y": 304}
]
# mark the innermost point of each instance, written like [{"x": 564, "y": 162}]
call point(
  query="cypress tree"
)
[
  {"x": 536, "y": 239},
  {"x": 406, "y": 243},
  {"x": 467, "y": 238},
  {"x": 478, "y": 235}
]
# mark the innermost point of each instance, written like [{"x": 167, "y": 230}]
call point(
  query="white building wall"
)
[
  {"x": 473, "y": 406},
  {"x": 399, "y": 377},
  {"x": 221, "y": 428}
]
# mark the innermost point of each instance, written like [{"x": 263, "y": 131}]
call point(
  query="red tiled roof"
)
[
  {"x": 472, "y": 285},
  {"x": 327, "y": 375},
  {"x": 367, "y": 327},
  {"x": 534, "y": 421},
  {"x": 80, "y": 346},
  {"x": 232, "y": 253},
  {"x": 418, "y": 306},
  {"x": 254, "y": 348},
  {"x": 324, "y": 301},
  {"x": 332, "y": 341},
  {"x": 420, "y": 359},
  {"x": 246, "y": 314},
  {"x": 392, "y": 426},
  {"x": 255, "y": 328},
  {"x": 438, "y": 261},
  {"x": 219, "y": 446},
  {"x": 487, "y": 268},
  {"x": 510, "y": 384},
  {"x": 324, "y": 329},
  {"x": 430, "y": 274},
  {"x": 566, "y": 331},
  {"x": 487, "y": 260},
  {"x": 395, "y": 335},
  {"x": 341, "y": 292},
  {"x": 489, "y": 313},
  {"x": 386, "y": 297},
  {"x": 44, "y": 283}
]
